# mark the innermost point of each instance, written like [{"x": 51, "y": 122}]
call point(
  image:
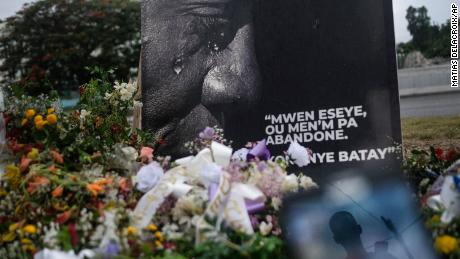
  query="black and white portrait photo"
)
[{"x": 243, "y": 65}]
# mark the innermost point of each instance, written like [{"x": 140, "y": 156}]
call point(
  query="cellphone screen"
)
[{"x": 355, "y": 218}]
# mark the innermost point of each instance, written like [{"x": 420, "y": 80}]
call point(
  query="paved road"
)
[{"x": 426, "y": 92}]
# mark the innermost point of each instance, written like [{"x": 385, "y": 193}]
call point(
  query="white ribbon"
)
[
  {"x": 447, "y": 201},
  {"x": 110, "y": 234},
  {"x": 56, "y": 254},
  {"x": 206, "y": 167},
  {"x": 172, "y": 182}
]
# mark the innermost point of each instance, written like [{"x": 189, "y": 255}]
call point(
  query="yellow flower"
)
[
  {"x": 3, "y": 193},
  {"x": 29, "y": 248},
  {"x": 158, "y": 244},
  {"x": 446, "y": 244},
  {"x": 12, "y": 175},
  {"x": 13, "y": 227},
  {"x": 131, "y": 230},
  {"x": 27, "y": 245},
  {"x": 30, "y": 113},
  {"x": 41, "y": 124},
  {"x": 11, "y": 235},
  {"x": 436, "y": 219},
  {"x": 159, "y": 235},
  {"x": 51, "y": 118},
  {"x": 26, "y": 241},
  {"x": 152, "y": 227},
  {"x": 8, "y": 237},
  {"x": 50, "y": 110},
  {"x": 38, "y": 118},
  {"x": 24, "y": 122},
  {"x": 31, "y": 229},
  {"x": 33, "y": 154}
]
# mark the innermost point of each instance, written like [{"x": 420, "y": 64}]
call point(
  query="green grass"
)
[{"x": 435, "y": 131}]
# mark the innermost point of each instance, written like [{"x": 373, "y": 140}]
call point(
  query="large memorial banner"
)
[{"x": 322, "y": 73}]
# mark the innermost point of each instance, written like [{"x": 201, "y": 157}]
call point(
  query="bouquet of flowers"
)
[
  {"x": 84, "y": 183},
  {"x": 436, "y": 177}
]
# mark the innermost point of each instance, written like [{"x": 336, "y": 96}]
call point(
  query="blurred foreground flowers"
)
[{"x": 84, "y": 183}]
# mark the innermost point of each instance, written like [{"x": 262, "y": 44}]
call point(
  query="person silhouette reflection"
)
[{"x": 347, "y": 233}]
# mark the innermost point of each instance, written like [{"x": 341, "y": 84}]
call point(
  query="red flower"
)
[
  {"x": 82, "y": 90},
  {"x": 124, "y": 184},
  {"x": 451, "y": 155},
  {"x": 15, "y": 147},
  {"x": 63, "y": 217},
  {"x": 116, "y": 129},
  {"x": 57, "y": 157},
  {"x": 25, "y": 162},
  {"x": 73, "y": 234},
  {"x": 169, "y": 245},
  {"x": 36, "y": 183},
  {"x": 6, "y": 118},
  {"x": 52, "y": 168},
  {"x": 439, "y": 153}
]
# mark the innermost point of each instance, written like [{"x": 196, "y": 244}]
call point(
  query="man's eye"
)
[{"x": 218, "y": 33}]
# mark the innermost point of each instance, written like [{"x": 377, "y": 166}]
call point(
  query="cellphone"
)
[{"x": 357, "y": 218}]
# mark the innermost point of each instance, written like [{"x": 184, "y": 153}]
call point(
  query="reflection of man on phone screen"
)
[{"x": 347, "y": 233}]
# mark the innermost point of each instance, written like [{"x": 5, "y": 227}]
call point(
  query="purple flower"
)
[
  {"x": 207, "y": 134},
  {"x": 112, "y": 250},
  {"x": 254, "y": 221},
  {"x": 262, "y": 166},
  {"x": 234, "y": 169},
  {"x": 260, "y": 151}
]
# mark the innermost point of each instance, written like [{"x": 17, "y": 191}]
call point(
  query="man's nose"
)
[{"x": 234, "y": 75}]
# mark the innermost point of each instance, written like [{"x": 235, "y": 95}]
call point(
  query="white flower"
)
[
  {"x": 131, "y": 87},
  {"x": 107, "y": 96},
  {"x": 130, "y": 153},
  {"x": 51, "y": 233},
  {"x": 276, "y": 203},
  {"x": 240, "y": 155},
  {"x": 138, "y": 104},
  {"x": 307, "y": 183},
  {"x": 299, "y": 154},
  {"x": 117, "y": 85},
  {"x": 290, "y": 184},
  {"x": 148, "y": 176},
  {"x": 125, "y": 95},
  {"x": 265, "y": 228},
  {"x": 171, "y": 231},
  {"x": 193, "y": 203},
  {"x": 83, "y": 114}
]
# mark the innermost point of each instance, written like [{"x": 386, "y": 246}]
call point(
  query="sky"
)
[{"x": 438, "y": 10}]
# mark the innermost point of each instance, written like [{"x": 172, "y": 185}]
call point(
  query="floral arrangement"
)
[
  {"x": 436, "y": 176},
  {"x": 84, "y": 183}
]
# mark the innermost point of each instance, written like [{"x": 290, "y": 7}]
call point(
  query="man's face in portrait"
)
[{"x": 198, "y": 67}]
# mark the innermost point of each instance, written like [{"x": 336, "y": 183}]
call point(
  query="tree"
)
[
  {"x": 50, "y": 42},
  {"x": 430, "y": 39}
]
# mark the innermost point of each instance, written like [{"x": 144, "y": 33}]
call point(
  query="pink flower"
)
[
  {"x": 271, "y": 181},
  {"x": 146, "y": 154}
]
